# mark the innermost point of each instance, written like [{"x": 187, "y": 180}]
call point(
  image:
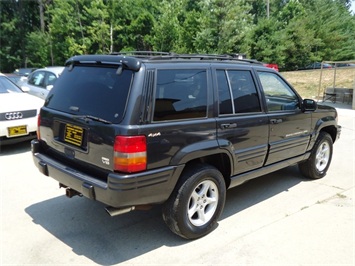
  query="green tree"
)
[
  {"x": 97, "y": 27},
  {"x": 334, "y": 26},
  {"x": 190, "y": 26},
  {"x": 224, "y": 24},
  {"x": 298, "y": 43},
  {"x": 265, "y": 43},
  {"x": 66, "y": 29},
  {"x": 167, "y": 28},
  {"x": 297, "y": 32},
  {"x": 38, "y": 49},
  {"x": 132, "y": 23},
  {"x": 17, "y": 19}
]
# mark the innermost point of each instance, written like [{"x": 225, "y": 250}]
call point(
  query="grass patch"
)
[{"x": 306, "y": 82}]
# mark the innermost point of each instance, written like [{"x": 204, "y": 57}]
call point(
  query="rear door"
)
[
  {"x": 242, "y": 126},
  {"x": 181, "y": 121},
  {"x": 290, "y": 127}
]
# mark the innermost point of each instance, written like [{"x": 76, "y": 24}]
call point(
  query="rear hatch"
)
[{"x": 78, "y": 122}]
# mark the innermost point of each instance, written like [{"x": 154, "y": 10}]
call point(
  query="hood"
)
[
  {"x": 323, "y": 107},
  {"x": 18, "y": 102}
]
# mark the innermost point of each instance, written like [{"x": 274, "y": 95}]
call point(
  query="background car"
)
[
  {"x": 318, "y": 65},
  {"x": 273, "y": 66},
  {"x": 18, "y": 113},
  {"x": 344, "y": 65},
  {"x": 40, "y": 81},
  {"x": 24, "y": 71},
  {"x": 19, "y": 80}
]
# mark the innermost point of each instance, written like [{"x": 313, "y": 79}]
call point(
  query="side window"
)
[
  {"x": 245, "y": 97},
  {"x": 37, "y": 79},
  {"x": 237, "y": 92},
  {"x": 224, "y": 94},
  {"x": 180, "y": 94},
  {"x": 51, "y": 78},
  {"x": 279, "y": 96}
]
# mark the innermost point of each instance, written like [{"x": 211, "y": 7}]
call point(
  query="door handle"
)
[
  {"x": 276, "y": 121},
  {"x": 229, "y": 125}
]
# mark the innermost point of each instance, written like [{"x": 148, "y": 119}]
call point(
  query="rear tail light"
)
[
  {"x": 130, "y": 154},
  {"x": 38, "y": 124}
]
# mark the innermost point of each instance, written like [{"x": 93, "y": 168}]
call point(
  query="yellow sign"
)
[{"x": 73, "y": 134}]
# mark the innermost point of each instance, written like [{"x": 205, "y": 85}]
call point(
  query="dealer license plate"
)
[
  {"x": 73, "y": 134},
  {"x": 17, "y": 131}
]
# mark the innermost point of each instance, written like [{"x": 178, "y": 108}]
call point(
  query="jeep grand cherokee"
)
[{"x": 176, "y": 130}]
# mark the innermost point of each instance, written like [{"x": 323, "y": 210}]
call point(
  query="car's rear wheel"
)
[
  {"x": 195, "y": 205},
  {"x": 318, "y": 163}
]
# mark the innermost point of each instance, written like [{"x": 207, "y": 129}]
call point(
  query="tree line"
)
[{"x": 290, "y": 33}]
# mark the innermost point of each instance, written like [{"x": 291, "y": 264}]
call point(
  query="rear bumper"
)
[
  {"x": 13, "y": 140},
  {"x": 120, "y": 190}
]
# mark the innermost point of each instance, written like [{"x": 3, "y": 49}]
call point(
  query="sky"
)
[{"x": 353, "y": 7}]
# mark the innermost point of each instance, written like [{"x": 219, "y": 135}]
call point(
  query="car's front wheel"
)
[
  {"x": 319, "y": 161},
  {"x": 195, "y": 205}
]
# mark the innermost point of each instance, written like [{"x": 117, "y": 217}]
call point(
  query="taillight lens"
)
[
  {"x": 130, "y": 154},
  {"x": 38, "y": 124}
]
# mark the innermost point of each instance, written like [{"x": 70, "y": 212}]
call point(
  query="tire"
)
[
  {"x": 193, "y": 209},
  {"x": 318, "y": 163}
]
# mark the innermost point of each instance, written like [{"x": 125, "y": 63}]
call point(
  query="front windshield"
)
[{"x": 6, "y": 86}]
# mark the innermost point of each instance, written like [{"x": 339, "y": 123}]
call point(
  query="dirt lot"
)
[{"x": 307, "y": 82}]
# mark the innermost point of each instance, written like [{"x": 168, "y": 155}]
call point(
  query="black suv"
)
[{"x": 178, "y": 130}]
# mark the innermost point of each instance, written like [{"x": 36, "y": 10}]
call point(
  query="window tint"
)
[
  {"x": 96, "y": 91},
  {"x": 279, "y": 96},
  {"x": 224, "y": 96},
  {"x": 180, "y": 94},
  {"x": 245, "y": 97},
  {"x": 237, "y": 91}
]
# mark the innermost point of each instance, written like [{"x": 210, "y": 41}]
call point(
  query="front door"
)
[{"x": 290, "y": 127}]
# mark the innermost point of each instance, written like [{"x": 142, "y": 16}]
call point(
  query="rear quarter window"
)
[
  {"x": 91, "y": 90},
  {"x": 180, "y": 94}
]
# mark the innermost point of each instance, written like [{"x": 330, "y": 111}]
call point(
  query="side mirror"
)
[
  {"x": 49, "y": 87},
  {"x": 309, "y": 105},
  {"x": 25, "y": 89}
]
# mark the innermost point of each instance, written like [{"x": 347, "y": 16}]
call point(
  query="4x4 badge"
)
[
  {"x": 152, "y": 135},
  {"x": 105, "y": 160}
]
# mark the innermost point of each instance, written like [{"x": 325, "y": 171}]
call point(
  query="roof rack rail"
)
[
  {"x": 141, "y": 54},
  {"x": 222, "y": 57},
  {"x": 153, "y": 55}
]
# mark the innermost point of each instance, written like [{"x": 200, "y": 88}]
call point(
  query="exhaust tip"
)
[{"x": 112, "y": 211}]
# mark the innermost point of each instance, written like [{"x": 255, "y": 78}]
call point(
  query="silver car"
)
[
  {"x": 41, "y": 81},
  {"x": 18, "y": 113}
]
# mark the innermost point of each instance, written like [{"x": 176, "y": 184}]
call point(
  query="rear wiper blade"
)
[{"x": 91, "y": 117}]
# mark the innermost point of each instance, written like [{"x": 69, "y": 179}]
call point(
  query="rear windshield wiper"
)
[{"x": 91, "y": 117}]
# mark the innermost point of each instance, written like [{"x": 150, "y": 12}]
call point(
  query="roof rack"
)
[
  {"x": 152, "y": 55},
  {"x": 222, "y": 57},
  {"x": 141, "y": 54}
]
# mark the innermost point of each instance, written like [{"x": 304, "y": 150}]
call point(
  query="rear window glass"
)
[{"x": 88, "y": 90}]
